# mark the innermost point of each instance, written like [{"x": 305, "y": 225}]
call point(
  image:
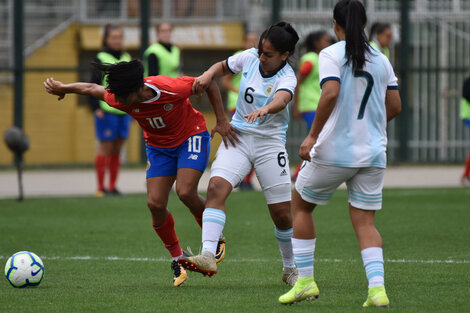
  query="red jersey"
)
[{"x": 169, "y": 118}]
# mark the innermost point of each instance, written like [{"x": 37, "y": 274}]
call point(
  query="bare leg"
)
[
  {"x": 363, "y": 223},
  {"x": 187, "y": 180}
]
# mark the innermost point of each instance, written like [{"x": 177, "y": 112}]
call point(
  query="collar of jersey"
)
[
  {"x": 156, "y": 90},
  {"x": 271, "y": 75}
]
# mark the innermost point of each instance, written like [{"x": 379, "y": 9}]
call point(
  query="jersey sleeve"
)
[
  {"x": 175, "y": 88},
  {"x": 392, "y": 78},
  {"x": 328, "y": 67},
  {"x": 109, "y": 99},
  {"x": 306, "y": 68},
  {"x": 287, "y": 83},
  {"x": 236, "y": 62}
]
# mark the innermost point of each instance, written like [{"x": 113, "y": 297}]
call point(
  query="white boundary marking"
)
[{"x": 246, "y": 260}]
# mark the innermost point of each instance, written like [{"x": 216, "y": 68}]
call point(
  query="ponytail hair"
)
[
  {"x": 122, "y": 78},
  {"x": 351, "y": 16},
  {"x": 282, "y": 36}
]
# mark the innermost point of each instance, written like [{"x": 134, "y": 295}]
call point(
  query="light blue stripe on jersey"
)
[
  {"x": 284, "y": 235},
  {"x": 214, "y": 216}
]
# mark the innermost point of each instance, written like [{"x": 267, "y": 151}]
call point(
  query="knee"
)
[
  {"x": 186, "y": 194},
  {"x": 283, "y": 218},
  {"x": 156, "y": 205},
  {"x": 214, "y": 188}
]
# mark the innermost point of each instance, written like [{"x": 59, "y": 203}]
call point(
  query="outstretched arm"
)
[
  {"x": 222, "y": 127},
  {"x": 280, "y": 101},
  {"x": 55, "y": 87},
  {"x": 202, "y": 82}
]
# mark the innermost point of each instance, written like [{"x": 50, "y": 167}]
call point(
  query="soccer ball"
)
[{"x": 24, "y": 269}]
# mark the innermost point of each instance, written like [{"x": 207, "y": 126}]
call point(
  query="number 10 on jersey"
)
[{"x": 156, "y": 122}]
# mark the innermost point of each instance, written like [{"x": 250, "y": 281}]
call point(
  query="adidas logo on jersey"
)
[
  {"x": 192, "y": 157},
  {"x": 284, "y": 172}
]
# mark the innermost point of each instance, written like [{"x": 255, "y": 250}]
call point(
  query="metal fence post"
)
[
  {"x": 144, "y": 43},
  {"x": 404, "y": 54}
]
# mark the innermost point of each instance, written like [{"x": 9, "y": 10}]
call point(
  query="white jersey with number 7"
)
[{"x": 355, "y": 133}]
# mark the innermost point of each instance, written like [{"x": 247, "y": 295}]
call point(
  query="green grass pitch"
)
[{"x": 102, "y": 255}]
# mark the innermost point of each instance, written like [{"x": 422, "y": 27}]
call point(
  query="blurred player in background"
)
[
  {"x": 308, "y": 84},
  {"x": 465, "y": 115},
  {"x": 232, "y": 83},
  {"x": 176, "y": 137},
  {"x": 346, "y": 143},
  {"x": 162, "y": 58},
  {"x": 111, "y": 125},
  {"x": 381, "y": 35},
  {"x": 262, "y": 115}
]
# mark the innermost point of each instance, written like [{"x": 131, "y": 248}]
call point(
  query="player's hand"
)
[
  {"x": 261, "y": 113},
  {"x": 227, "y": 131},
  {"x": 202, "y": 83},
  {"x": 306, "y": 147},
  {"x": 99, "y": 114},
  {"x": 54, "y": 87}
]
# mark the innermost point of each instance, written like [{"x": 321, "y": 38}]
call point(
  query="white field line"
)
[{"x": 246, "y": 260}]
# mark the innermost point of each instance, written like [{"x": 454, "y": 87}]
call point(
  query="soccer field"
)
[{"x": 102, "y": 255}]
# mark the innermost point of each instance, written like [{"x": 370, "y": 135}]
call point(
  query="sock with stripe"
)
[
  {"x": 374, "y": 266},
  {"x": 100, "y": 169},
  {"x": 114, "y": 164},
  {"x": 284, "y": 239},
  {"x": 167, "y": 234},
  {"x": 213, "y": 222},
  {"x": 303, "y": 254}
]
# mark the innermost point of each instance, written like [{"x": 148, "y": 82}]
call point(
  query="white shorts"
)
[
  {"x": 317, "y": 182},
  {"x": 268, "y": 156}
]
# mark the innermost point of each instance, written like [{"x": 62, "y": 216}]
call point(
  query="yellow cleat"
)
[
  {"x": 180, "y": 275},
  {"x": 220, "y": 253},
  {"x": 377, "y": 297},
  {"x": 304, "y": 289}
]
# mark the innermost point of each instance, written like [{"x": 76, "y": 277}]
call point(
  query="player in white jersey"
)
[
  {"x": 346, "y": 143},
  {"x": 267, "y": 86}
]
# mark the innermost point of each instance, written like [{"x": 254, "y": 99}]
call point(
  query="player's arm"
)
[
  {"x": 55, "y": 87},
  {"x": 201, "y": 83},
  {"x": 326, "y": 104},
  {"x": 222, "y": 126},
  {"x": 392, "y": 104},
  {"x": 280, "y": 101}
]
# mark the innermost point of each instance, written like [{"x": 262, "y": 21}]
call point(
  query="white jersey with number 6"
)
[
  {"x": 355, "y": 133},
  {"x": 257, "y": 90}
]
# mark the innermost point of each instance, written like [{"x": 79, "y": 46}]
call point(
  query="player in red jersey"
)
[{"x": 175, "y": 134}]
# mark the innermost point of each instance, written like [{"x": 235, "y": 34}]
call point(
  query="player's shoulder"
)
[
  {"x": 286, "y": 72},
  {"x": 336, "y": 50}
]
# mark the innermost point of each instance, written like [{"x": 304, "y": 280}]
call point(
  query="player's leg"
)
[
  {"x": 104, "y": 133},
  {"x": 229, "y": 168},
  {"x": 272, "y": 170},
  {"x": 314, "y": 186},
  {"x": 365, "y": 197},
  {"x": 193, "y": 157},
  {"x": 161, "y": 174},
  {"x": 122, "y": 130}
]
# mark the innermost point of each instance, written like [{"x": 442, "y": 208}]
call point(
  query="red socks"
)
[
  {"x": 100, "y": 168},
  {"x": 114, "y": 163},
  {"x": 466, "y": 172},
  {"x": 167, "y": 234},
  {"x": 198, "y": 217}
]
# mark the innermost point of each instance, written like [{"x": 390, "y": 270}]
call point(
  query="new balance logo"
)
[
  {"x": 284, "y": 172},
  {"x": 192, "y": 157}
]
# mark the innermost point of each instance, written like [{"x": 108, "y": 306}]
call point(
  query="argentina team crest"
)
[
  {"x": 268, "y": 89},
  {"x": 168, "y": 106}
]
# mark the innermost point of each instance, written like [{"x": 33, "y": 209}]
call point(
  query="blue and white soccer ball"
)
[{"x": 24, "y": 269}]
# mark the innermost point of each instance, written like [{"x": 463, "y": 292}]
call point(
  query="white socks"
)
[
  {"x": 284, "y": 239},
  {"x": 374, "y": 266},
  {"x": 303, "y": 253},
  {"x": 213, "y": 222}
]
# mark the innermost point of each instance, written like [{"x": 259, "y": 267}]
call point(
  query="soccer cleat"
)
[
  {"x": 376, "y": 297},
  {"x": 114, "y": 192},
  {"x": 203, "y": 263},
  {"x": 220, "y": 253},
  {"x": 101, "y": 193},
  {"x": 180, "y": 275},
  {"x": 304, "y": 289},
  {"x": 290, "y": 275}
]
